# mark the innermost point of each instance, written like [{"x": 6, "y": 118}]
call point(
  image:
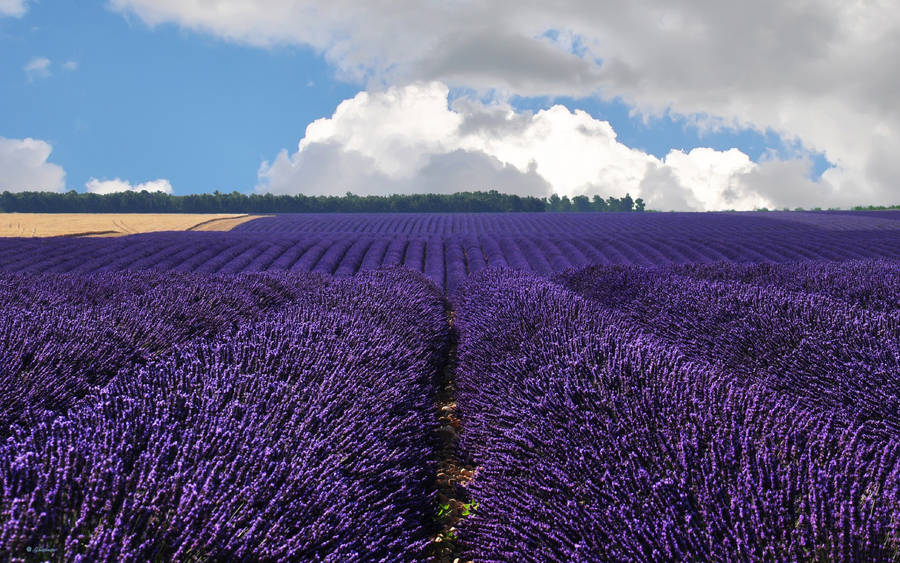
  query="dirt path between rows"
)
[{"x": 454, "y": 472}]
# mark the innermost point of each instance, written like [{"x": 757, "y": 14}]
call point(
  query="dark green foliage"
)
[
  {"x": 875, "y": 207},
  {"x": 237, "y": 202}
]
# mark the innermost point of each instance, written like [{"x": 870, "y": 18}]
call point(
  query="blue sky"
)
[
  {"x": 156, "y": 103},
  {"x": 140, "y": 91}
]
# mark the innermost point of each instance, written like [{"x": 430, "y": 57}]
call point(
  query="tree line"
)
[
  {"x": 876, "y": 208},
  {"x": 236, "y": 202}
]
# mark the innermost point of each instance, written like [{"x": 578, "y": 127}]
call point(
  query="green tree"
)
[{"x": 581, "y": 203}]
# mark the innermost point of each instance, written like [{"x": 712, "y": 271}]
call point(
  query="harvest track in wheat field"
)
[
  {"x": 488, "y": 387},
  {"x": 112, "y": 224}
]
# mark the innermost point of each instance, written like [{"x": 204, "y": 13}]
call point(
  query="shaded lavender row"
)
[
  {"x": 595, "y": 224},
  {"x": 62, "y": 334},
  {"x": 447, "y": 260},
  {"x": 598, "y": 441},
  {"x": 307, "y": 434},
  {"x": 825, "y": 353}
]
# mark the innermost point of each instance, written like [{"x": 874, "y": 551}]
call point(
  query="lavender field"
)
[
  {"x": 449, "y": 247},
  {"x": 488, "y": 387}
]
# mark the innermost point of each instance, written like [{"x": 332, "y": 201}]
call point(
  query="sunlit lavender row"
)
[
  {"x": 870, "y": 284},
  {"x": 302, "y": 432},
  {"x": 747, "y": 425}
]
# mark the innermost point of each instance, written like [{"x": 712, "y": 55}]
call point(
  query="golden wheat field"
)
[{"x": 113, "y": 224}]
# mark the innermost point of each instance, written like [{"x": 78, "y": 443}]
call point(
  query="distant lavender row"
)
[
  {"x": 597, "y": 440},
  {"x": 824, "y": 353},
  {"x": 893, "y": 214},
  {"x": 306, "y": 434},
  {"x": 841, "y": 220},
  {"x": 596, "y": 224},
  {"x": 447, "y": 260},
  {"x": 62, "y": 334}
]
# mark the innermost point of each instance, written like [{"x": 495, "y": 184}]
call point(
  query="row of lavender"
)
[
  {"x": 446, "y": 260},
  {"x": 63, "y": 335},
  {"x": 871, "y": 284},
  {"x": 822, "y": 351},
  {"x": 630, "y": 414},
  {"x": 593, "y": 224},
  {"x": 256, "y": 417}
]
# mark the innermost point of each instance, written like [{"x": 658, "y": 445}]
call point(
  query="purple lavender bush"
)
[
  {"x": 871, "y": 284},
  {"x": 61, "y": 335},
  {"x": 823, "y": 352},
  {"x": 598, "y": 440},
  {"x": 304, "y": 434}
]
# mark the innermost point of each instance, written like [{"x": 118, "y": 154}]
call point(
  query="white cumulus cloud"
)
[
  {"x": 38, "y": 67},
  {"x": 24, "y": 166},
  {"x": 412, "y": 139},
  {"x": 96, "y": 186},
  {"x": 14, "y": 8},
  {"x": 818, "y": 72},
  {"x": 714, "y": 179}
]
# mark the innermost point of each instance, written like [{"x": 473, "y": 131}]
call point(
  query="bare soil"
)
[{"x": 454, "y": 472}]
